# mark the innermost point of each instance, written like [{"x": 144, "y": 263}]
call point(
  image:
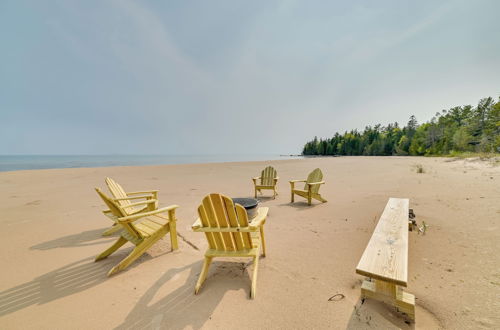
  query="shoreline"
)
[
  {"x": 492, "y": 159},
  {"x": 144, "y": 166},
  {"x": 92, "y": 161}
]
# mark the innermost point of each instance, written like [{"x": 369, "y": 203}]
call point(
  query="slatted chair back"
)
[
  {"x": 219, "y": 211},
  {"x": 117, "y": 191},
  {"x": 267, "y": 176},
  {"x": 119, "y": 212},
  {"x": 314, "y": 176}
]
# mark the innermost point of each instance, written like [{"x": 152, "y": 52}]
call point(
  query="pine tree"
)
[{"x": 461, "y": 128}]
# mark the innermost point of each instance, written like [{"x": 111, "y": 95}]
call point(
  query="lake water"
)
[{"x": 32, "y": 162}]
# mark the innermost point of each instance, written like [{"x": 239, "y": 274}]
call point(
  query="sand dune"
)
[{"x": 51, "y": 223}]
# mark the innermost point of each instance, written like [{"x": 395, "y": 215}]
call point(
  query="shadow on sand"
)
[
  {"x": 181, "y": 308},
  {"x": 301, "y": 205},
  {"x": 263, "y": 199},
  {"x": 86, "y": 238},
  {"x": 59, "y": 283},
  {"x": 373, "y": 314},
  {"x": 73, "y": 278}
]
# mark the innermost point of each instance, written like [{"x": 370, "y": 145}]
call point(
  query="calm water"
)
[{"x": 32, "y": 162}]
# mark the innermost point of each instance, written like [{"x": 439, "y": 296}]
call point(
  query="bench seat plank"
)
[{"x": 386, "y": 255}]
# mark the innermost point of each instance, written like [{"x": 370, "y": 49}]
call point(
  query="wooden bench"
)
[{"x": 385, "y": 260}]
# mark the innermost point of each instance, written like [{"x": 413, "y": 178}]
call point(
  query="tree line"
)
[{"x": 459, "y": 129}]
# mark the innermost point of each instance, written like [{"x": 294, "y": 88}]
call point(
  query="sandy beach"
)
[{"x": 51, "y": 224}]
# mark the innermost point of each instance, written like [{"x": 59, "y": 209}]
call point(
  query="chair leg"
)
[
  {"x": 172, "y": 227},
  {"x": 293, "y": 199},
  {"x": 111, "y": 230},
  {"x": 321, "y": 199},
  {"x": 253, "y": 291},
  {"x": 173, "y": 235},
  {"x": 263, "y": 241},
  {"x": 136, "y": 253},
  {"x": 255, "y": 192},
  {"x": 111, "y": 249},
  {"x": 309, "y": 197},
  {"x": 203, "y": 274},
  {"x": 318, "y": 197}
]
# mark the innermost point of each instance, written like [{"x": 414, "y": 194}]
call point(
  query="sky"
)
[{"x": 233, "y": 77}]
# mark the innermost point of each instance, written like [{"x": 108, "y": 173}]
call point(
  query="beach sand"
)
[{"x": 51, "y": 222}]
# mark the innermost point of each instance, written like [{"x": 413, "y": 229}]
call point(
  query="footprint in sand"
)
[
  {"x": 356, "y": 284},
  {"x": 37, "y": 202},
  {"x": 485, "y": 322},
  {"x": 377, "y": 315}
]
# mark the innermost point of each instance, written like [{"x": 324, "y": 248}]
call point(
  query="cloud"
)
[{"x": 210, "y": 77}]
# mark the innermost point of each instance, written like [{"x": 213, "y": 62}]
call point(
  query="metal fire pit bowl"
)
[{"x": 250, "y": 205}]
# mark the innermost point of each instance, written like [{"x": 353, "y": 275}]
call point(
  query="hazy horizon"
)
[
  {"x": 36, "y": 162},
  {"x": 232, "y": 77}
]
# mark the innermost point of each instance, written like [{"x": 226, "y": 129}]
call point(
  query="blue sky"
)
[{"x": 191, "y": 77}]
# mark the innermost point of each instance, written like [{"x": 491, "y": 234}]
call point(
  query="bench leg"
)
[{"x": 390, "y": 294}]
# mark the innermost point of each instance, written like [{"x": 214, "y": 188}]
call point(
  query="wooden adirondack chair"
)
[
  {"x": 143, "y": 234},
  {"x": 268, "y": 180},
  {"x": 125, "y": 199},
  {"x": 229, "y": 234},
  {"x": 311, "y": 188}
]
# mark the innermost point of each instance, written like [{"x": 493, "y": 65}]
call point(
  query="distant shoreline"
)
[{"x": 39, "y": 162}]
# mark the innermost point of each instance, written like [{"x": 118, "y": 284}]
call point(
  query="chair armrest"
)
[
  {"x": 293, "y": 182},
  {"x": 314, "y": 183},
  {"x": 197, "y": 224},
  {"x": 258, "y": 221},
  {"x": 149, "y": 201},
  {"x": 142, "y": 192},
  {"x": 255, "y": 179},
  {"x": 226, "y": 229},
  {"x": 198, "y": 227},
  {"x": 136, "y": 216},
  {"x": 130, "y": 198},
  {"x": 260, "y": 218}
]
